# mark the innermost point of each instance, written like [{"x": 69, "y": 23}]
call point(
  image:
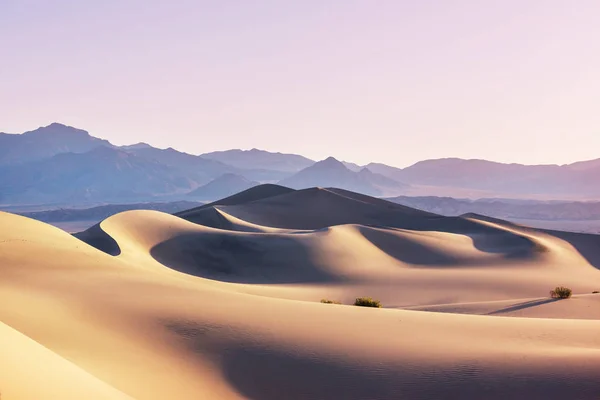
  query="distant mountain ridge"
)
[
  {"x": 581, "y": 178},
  {"x": 198, "y": 169},
  {"x": 61, "y": 164},
  {"x": 65, "y": 165},
  {"x": 260, "y": 159},
  {"x": 333, "y": 173},
  {"x": 46, "y": 142},
  {"x": 104, "y": 173}
]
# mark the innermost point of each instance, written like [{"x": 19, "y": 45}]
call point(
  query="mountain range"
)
[
  {"x": 260, "y": 159},
  {"x": 62, "y": 165},
  {"x": 492, "y": 179},
  {"x": 333, "y": 173},
  {"x": 44, "y": 143}
]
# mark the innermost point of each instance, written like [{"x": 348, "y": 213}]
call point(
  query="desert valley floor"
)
[{"x": 223, "y": 302}]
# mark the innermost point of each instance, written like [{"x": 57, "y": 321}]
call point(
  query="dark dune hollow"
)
[
  {"x": 243, "y": 258},
  {"x": 98, "y": 238}
]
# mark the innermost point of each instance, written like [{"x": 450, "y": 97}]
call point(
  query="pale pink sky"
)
[{"x": 375, "y": 80}]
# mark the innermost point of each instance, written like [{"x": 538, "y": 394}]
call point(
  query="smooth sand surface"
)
[
  {"x": 227, "y": 306},
  {"x": 30, "y": 371}
]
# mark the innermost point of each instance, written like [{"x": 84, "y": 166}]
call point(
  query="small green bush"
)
[
  {"x": 561, "y": 292},
  {"x": 327, "y": 301},
  {"x": 367, "y": 302}
]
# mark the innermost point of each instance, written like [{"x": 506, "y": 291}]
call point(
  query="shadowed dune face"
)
[
  {"x": 225, "y": 247},
  {"x": 321, "y": 208},
  {"x": 249, "y": 258},
  {"x": 312, "y": 209},
  {"x": 243, "y": 320},
  {"x": 292, "y": 374},
  {"x": 96, "y": 237},
  {"x": 314, "y": 256},
  {"x": 587, "y": 245},
  {"x": 439, "y": 249},
  {"x": 254, "y": 193}
]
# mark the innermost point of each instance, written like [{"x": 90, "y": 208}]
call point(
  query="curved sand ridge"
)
[{"x": 244, "y": 320}]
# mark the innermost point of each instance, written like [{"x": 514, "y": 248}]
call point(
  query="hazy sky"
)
[{"x": 391, "y": 81}]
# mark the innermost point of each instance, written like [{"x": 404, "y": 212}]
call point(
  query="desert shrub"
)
[
  {"x": 327, "y": 301},
  {"x": 595, "y": 291},
  {"x": 561, "y": 292},
  {"x": 367, "y": 302}
]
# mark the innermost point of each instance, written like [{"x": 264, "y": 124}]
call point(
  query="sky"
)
[{"x": 390, "y": 81}]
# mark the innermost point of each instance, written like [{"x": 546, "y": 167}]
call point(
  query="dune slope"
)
[
  {"x": 230, "y": 309},
  {"x": 30, "y": 371}
]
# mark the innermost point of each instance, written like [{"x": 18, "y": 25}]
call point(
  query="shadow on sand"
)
[
  {"x": 586, "y": 244},
  {"x": 522, "y": 306}
]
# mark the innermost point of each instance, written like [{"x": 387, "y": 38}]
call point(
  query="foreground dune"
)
[
  {"x": 226, "y": 304},
  {"x": 30, "y": 371}
]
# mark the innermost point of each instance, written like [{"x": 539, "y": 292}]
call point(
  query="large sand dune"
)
[{"x": 223, "y": 303}]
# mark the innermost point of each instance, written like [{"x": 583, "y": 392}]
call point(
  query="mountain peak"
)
[
  {"x": 57, "y": 125},
  {"x": 140, "y": 145},
  {"x": 57, "y": 128},
  {"x": 331, "y": 161},
  {"x": 46, "y": 142}
]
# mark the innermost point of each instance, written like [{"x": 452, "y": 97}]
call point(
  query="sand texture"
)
[{"x": 222, "y": 302}]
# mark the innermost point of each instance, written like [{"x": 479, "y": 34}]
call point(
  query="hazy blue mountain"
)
[
  {"x": 385, "y": 170},
  {"x": 104, "y": 173},
  {"x": 564, "y": 181},
  {"x": 584, "y": 165},
  {"x": 136, "y": 146},
  {"x": 204, "y": 169},
  {"x": 58, "y": 163},
  {"x": 260, "y": 159},
  {"x": 46, "y": 142},
  {"x": 352, "y": 166},
  {"x": 332, "y": 173},
  {"x": 199, "y": 169}
]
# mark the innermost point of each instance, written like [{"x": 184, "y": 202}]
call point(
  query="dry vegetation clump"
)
[
  {"x": 327, "y": 301},
  {"x": 561, "y": 292},
  {"x": 367, "y": 302}
]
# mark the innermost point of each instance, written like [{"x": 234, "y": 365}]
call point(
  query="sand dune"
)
[
  {"x": 30, "y": 371},
  {"x": 585, "y": 306},
  {"x": 227, "y": 306}
]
